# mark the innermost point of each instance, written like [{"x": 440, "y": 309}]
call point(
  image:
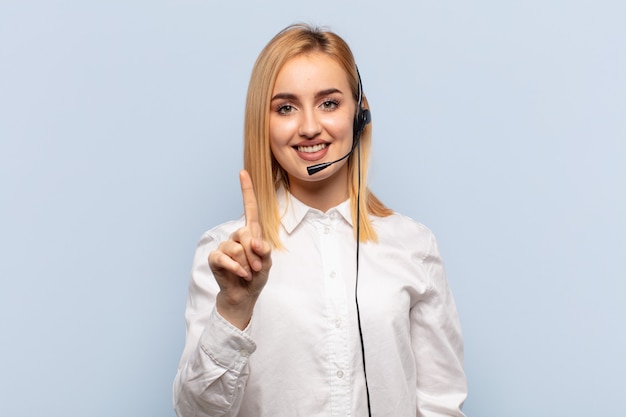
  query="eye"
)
[
  {"x": 285, "y": 109},
  {"x": 329, "y": 105}
]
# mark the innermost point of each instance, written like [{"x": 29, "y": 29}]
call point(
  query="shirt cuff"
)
[{"x": 225, "y": 344}]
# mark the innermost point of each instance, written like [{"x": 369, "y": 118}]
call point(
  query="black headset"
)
[{"x": 361, "y": 119}]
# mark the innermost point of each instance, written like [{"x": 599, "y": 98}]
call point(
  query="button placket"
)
[{"x": 336, "y": 310}]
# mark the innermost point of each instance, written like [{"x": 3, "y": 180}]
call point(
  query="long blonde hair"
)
[{"x": 267, "y": 175}]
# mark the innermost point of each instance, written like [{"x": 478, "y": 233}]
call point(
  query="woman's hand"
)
[{"x": 241, "y": 264}]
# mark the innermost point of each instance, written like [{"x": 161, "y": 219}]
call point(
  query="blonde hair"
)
[{"x": 266, "y": 173}]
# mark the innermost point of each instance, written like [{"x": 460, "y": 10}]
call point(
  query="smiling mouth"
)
[{"x": 311, "y": 149}]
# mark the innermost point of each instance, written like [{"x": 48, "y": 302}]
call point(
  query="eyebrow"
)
[{"x": 290, "y": 96}]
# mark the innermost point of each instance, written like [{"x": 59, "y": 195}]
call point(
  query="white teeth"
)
[{"x": 311, "y": 149}]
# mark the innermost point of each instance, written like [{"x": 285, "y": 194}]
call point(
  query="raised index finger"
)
[{"x": 250, "y": 206}]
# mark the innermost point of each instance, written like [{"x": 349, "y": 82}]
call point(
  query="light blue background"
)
[{"x": 499, "y": 124}]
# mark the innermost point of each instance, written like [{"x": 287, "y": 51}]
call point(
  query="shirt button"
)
[
  {"x": 326, "y": 230},
  {"x": 338, "y": 323},
  {"x": 339, "y": 374},
  {"x": 333, "y": 274}
]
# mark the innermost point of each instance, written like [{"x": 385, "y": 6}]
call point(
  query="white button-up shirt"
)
[{"x": 301, "y": 353}]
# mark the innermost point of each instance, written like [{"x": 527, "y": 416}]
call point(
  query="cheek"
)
[
  {"x": 281, "y": 131},
  {"x": 339, "y": 127}
]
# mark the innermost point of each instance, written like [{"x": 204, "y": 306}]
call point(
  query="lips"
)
[{"x": 312, "y": 152}]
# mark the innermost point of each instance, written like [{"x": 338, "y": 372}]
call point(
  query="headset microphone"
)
[
  {"x": 362, "y": 118},
  {"x": 317, "y": 168}
]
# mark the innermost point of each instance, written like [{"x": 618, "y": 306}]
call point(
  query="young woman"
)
[{"x": 320, "y": 301}]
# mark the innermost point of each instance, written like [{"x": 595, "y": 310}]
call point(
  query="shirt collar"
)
[{"x": 293, "y": 211}]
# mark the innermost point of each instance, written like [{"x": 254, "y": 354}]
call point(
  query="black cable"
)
[{"x": 356, "y": 284}]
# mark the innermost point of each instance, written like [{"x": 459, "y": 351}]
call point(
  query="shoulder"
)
[
  {"x": 220, "y": 232},
  {"x": 400, "y": 230},
  {"x": 398, "y": 224}
]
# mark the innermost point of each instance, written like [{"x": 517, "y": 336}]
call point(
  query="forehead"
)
[{"x": 314, "y": 70}]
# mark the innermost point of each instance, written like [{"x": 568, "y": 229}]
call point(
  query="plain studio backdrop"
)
[{"x": 501, "y": 125}]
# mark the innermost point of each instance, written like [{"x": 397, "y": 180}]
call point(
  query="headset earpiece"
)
[
  {"x": 362, "y": 119},
  {"x": 363, "y": 116}
]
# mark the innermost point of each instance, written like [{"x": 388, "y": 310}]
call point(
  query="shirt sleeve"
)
[
  {"x": 213, "y": 369},
  {"x": 438, "y": 344}
]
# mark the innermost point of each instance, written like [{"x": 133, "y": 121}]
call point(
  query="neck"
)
[{"x": 322, "y": 194}]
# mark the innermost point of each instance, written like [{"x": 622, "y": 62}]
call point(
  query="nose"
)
[{"x": 310, "y": 126}]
